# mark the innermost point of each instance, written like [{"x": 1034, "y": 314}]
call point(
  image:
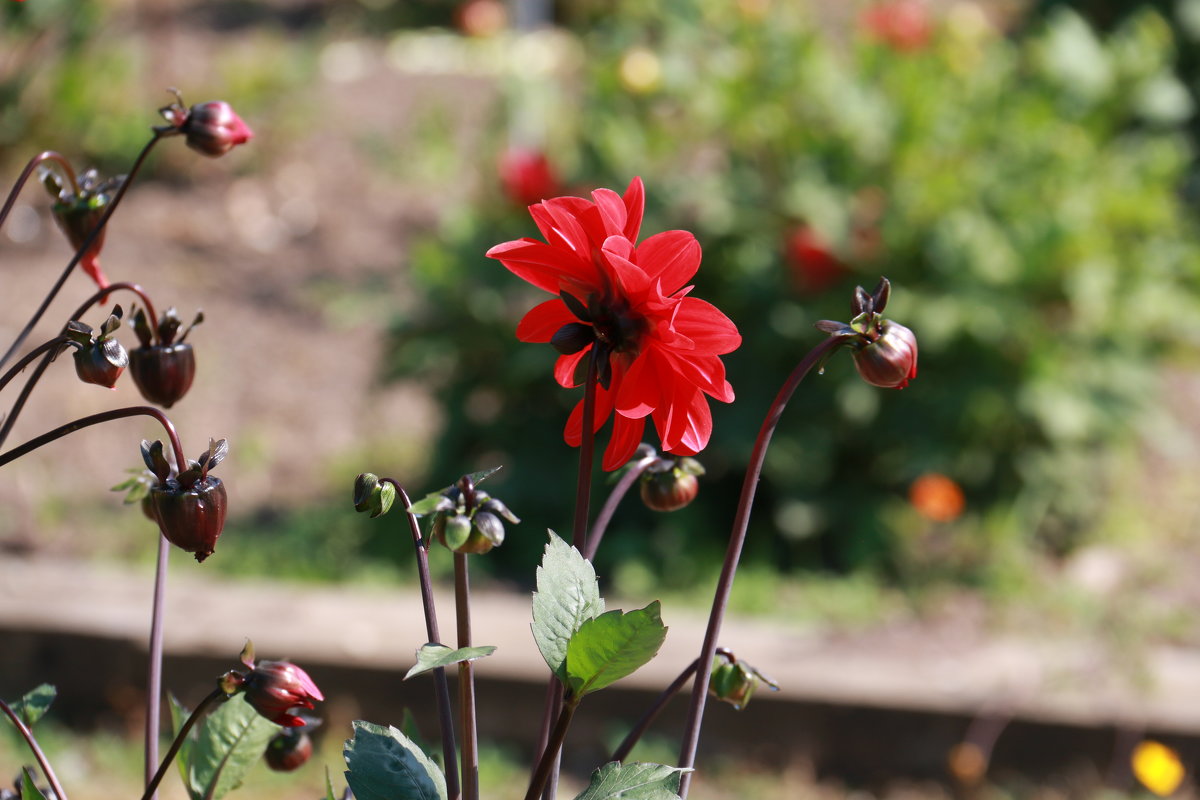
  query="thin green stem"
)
[
  {"x": 546, "y": 764},
  {"x": 31, "y": 740},
  {"x": 737, "y": 538},
  {"x": 466, "y": 681},
  {"x": 87, "y": 243},
  {"x": 48, "y": 155},
  {"x": 154, "y": 674},
  {"x": 441, "y": 685},
  {"x": 216, "y": 695},
  {"x": 96, "y": 419}
]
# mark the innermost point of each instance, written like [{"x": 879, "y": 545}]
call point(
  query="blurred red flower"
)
[
  {"x": 657, "y": 349},
  {"x": 527, "y": 176},
  {"x": 903, "y": 24},
  {"x": 813, "y": 265}
]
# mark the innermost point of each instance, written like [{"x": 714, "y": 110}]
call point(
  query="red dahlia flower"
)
[{"x": 657, "y": 350}]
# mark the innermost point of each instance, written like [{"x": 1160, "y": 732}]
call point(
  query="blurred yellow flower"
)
[
  {"x": 641, "y": 71},
  {"x": 1158, "y": 767}
]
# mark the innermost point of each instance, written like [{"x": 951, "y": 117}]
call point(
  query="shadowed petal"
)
[
  {"x": 543, "y": 321},
  {"x": 626, "y": 436}
]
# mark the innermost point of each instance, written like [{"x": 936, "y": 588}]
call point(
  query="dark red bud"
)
[
  {"x": 289, "y": 750},
  {"x": 76, "y": 220},
  {"x": 163, "y": 373},
  {"x": 276, "y": 688},
  {"x": 670, "y": 490},
  {"x": 214, "y": 128},
  {"x": 101, "y": 362},
  {"x": 527, "y": 176},
  {"x": 890, "y": 361},
  {"x": 192, "y": 518}
]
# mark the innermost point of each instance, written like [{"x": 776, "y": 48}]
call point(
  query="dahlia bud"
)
[
  {"x": 465, "y": 519},
  {"x": 211, "y": 128},
  {"x": 372, "y": 494},
  {"x": 98, "y": 359},
  {"x": 669, "y": 484},
  {"x": 277, "y": 688},
  {"x": 890, "y": 361},
  {"x": 734, "y": 681},
  {"x": 162, "y": 367},
  {"x": 77, "y": 210},
  {"x": 289, "y": 750},
  {"x": 190, "y": 506}
]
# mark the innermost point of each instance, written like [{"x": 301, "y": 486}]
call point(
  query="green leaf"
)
[
  {"x": 384, "y": 764},
  {"x": 29, "y": 789},
  {"x": 179, "y": 715},
  {"x": 34, "y": 703},
  {"x": 429, "y": 503},
  {"x": 432, "y": 655},
  {"x": 567, "y": 596},
  {"x": 231, "y": 740},
  {"x": 408, "y": 727},
  {"x": 634, "y": 782},
  {"x": 612, "y": 646},
  {"x": 329, "y": 795}
]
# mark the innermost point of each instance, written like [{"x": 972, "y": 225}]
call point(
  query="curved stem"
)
[
  {"x": 87, "y": 243},
  {"x": 737, "y": 538},
  {"x": 154, "y": 676},
  {"x": 596, "y": 534},
  {"x": 660, "y": 702},
  {"x": 44, "y": 347},
  {"x": 96, "y": 419},
  {"x": 549, "y": 757},
  {"x": 31, "y": 740},
  {"x": 152, "y": 786},
  {"x": 441, "y": 685},
  {"x": 101, "y": 295},
  {"x": 48, "y": 155},
  {"x": 15, "y": 412},
  {"x": 466, "y": 681}
]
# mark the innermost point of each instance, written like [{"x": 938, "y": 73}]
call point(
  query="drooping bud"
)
[
  {"x": 669, "y": 484},
  {"x": 98, "y": 359},
  {"x": 890, "y": 361},
  {"x": 289, "y": 750},
  {"x": 190, "y": 506},
  {"x": 163, "y": 370},
  {"x": 372, "y": 494},
  {"x": 77, "y": 211},
  {"x": 734, "y": 681}
]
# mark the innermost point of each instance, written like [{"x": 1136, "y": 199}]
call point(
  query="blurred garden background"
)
[{"x": 1025, "y": 173}]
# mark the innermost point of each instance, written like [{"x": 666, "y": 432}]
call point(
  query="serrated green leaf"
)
[
  {"x": 567, "y": 596},
  {"x": 231, "y": 740},
  {"x": 612, "y": 646},
  {"x": 638, "y": 781},
  {"x": 179, "y": 715},
  {"x": 384, "y": 764},
  {"x": 432, "y": 655},
  {"x": 29, "y": 789},
  {"x": 34, "y": 704}
]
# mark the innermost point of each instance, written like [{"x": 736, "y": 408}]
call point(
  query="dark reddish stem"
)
[
  {"x": 737, "y": 538},
  {"x": 466, "y": 679},
  {"x": 96, "y": 419},
  {"x": 596, "y": 534},
  {"x": 154, "y": 673},
  {"x": 48, "y": 155},
  {"x": 31, "y": 740},
  {"x": 17, "y": 407},
  {"x": 441, "y": 685},
  {"x": 548, "y": 764},
  {"x": 49, "y": 347},
  {"x": 87, "y": 243},
  {"x": 579, "y": 538},
  {"x": 216, "y": 695}
]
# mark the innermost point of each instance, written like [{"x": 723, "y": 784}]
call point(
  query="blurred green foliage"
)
[{"x": 1022, "y": 195}]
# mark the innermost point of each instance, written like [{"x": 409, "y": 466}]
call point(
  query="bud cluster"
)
[{"x": 468, "y": 520}]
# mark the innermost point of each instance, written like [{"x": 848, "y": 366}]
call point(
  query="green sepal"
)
[{"x": 433, "y": 655}]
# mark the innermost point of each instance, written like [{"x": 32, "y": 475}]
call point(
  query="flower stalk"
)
[
  {"x": 48, "y": 155},
  {"x": 154, "y": 671},
  {"x": 32, "y": 742},
  {"x": 466, "y": 679},
  {"x": 548, "y": 764},
  {"x": 733, "y": 554},
  {"x": 441, "y": 685},
  {"x": 96, "y": 419},
  {"x": 215, "y": 696}
]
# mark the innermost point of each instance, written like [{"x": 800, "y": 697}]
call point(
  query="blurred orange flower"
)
[{"x": 937, "y": 497}]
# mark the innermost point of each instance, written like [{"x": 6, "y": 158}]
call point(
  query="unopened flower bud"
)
[
  {"x": 191, "y": 518},
  {"x": 163, "y": 373},
  {"x": 77, "y": 210},
  {"x": 289, "y": 750},
  {"x": 734, "y": 681},
  {"x": 101, "y": 362},
  {"x": 671, "y": 484},
  {"x": 211, "y": 128},
  {"x": 890, "y": 361},
  {"x": 372, "y": 494},
  {"x": 277, "y": 688}
]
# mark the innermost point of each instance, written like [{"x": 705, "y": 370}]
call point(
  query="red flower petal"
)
[
  {"x": 635, "y": 204},
  {"x": 671, "y": 257},
  {"x": 626, "y": 436},
  {"x": 710, "y": 330},
  {"x": 542, "y": 321}
]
